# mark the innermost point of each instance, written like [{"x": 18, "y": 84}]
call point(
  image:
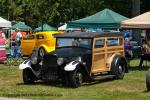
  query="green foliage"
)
[{"x": 35, "y": 12}]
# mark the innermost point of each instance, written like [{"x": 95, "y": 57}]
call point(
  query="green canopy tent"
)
[
  {"x": 103, "y": 19},
  {"x": 21, "y": 26},
  {"x": 45, "y": 27}
]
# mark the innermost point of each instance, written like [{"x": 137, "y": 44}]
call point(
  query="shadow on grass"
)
[
  {"x": 98, "y": 82},
  {"x": 146, "y": 91},
  {"x": 62, "y": 85},
  {"x": 136, "y": 68},
  {"x": 53, "y": 84}
]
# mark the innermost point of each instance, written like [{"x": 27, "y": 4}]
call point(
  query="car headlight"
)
[
  {"x": 60, "y": 61},
  {"x": 79, "y": 59},
  {"x": 34, "y": 60}
]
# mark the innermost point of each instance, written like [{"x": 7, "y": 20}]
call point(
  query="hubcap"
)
[
  {"x": 79, "y": 78},
  {"x": 42, "y": 52},
  {"x": 120, "y": 69}
]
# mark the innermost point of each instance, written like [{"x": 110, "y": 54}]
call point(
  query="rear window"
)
[{"x": 40, "y": 36}]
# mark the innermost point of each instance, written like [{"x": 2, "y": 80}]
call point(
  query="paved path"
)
[{"x": 3, "y": 98}]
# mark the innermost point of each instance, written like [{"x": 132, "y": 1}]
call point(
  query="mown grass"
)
[{"x": 132, "y": 87}]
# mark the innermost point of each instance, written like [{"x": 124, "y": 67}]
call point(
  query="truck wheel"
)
[
  {"x": 75, "y": 78},
  {"x": 28, "y": 76},
  {"x": 118, "y": 67},
  {"x": 41, "y": 52},
  {"x": 148, "y": 80}
]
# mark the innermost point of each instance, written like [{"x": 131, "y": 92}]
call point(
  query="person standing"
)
[
  {"x": 2, "y": 34},
  {"x": 18, "y": 42},
  {"x": 18, "y": 37},
  {"x": 145, "y": 53}
]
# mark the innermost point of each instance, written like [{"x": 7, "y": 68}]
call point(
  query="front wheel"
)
[
  {"x": 148, "y": 80},
  {"x": 75, "y": 78},
  {"x": 28, "y": 76}
]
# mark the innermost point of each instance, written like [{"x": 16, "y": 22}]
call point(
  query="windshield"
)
[{"x": 77, "y": 42}]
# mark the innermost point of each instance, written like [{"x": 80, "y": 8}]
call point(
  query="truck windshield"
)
[{"x": 77, "y": 42}]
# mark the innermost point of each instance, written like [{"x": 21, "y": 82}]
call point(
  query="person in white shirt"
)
[
  {"x": 18, "y": 37},
  {"x": 18, "y": 42}
]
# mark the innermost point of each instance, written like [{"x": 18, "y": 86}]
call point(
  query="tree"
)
[{"x": 135, "y": 7}]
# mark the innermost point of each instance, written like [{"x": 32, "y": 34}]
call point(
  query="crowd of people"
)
[
  {"x": 13, "y": 44},
  {"x": 145, "y": 50}
]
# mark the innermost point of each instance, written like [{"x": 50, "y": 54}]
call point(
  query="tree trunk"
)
[
  {"x": 135, "y": 7},
  {"x": 135, "y": 12}
]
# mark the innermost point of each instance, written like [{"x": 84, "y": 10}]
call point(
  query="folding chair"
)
[{"x": 15, "y": 57}]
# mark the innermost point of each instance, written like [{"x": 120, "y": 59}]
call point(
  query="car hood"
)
[{"x": 71, "y": 52}]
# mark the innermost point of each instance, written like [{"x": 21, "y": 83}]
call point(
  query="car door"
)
[
  {"x": 99, "y": 55},
  {"x": 27, "y": 44}
]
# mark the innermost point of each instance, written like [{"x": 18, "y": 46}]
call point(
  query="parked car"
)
[
  {"x": 44, "y": 41},
  {"x": 136, "y": 49},
  {"x": 79, "y": 57}
]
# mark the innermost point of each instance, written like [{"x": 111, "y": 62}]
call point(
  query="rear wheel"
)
[
  {"x": 41, "y": 52},
  {"x": 75, "y": 78},
  {"x": 118, "y": 67},
  {"x": 28, "y": 76},
  {"x": 148, "y": 80}
]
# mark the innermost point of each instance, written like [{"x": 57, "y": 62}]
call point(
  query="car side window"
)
[
  {"x": 99, "y": 43},
  {"x": 28, "y": 37},
  {"x": 39, "y": 36},
  {"x": 113, "y": 42}
]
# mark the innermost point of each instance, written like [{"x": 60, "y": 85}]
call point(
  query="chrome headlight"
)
[
  {"x": 60, "y": 61},
  {"x": 34, "y": 60},
  {"x": 79, "y": 59}
]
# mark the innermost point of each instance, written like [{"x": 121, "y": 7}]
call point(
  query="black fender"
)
[
  {"x": 116, "y": 59},
  {"x": 77, "y": 64}
]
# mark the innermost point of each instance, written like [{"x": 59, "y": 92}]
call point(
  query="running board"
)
[{"x": 97, "y": 78}]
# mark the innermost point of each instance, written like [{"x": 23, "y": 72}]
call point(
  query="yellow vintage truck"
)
[{"x": 44, "y": 41}]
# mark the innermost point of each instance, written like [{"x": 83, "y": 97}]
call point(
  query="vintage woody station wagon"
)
[{"x": 83, "y": 56}]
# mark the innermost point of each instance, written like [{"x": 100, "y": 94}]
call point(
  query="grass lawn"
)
[{"x": 132, "y": 87}]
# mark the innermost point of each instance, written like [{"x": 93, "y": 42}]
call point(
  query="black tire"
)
[
  {"x": 28, "y": 76},
  {"x": 41, "y": 52},
  {"x": 75, "y": 78},
  {"x": 118, "y": 67},
  {"x": 148, "y": 80}
]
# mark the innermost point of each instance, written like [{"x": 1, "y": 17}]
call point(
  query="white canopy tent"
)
[
  {"x": 142, "y": 21},
  {"x": 63, "y": 27},
  {"x": 4, "y": 23}
]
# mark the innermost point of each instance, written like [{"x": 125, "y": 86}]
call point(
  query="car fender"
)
[
  {"x": 110, "y": 59},
  {"x": 47, "y": 48},
  {"x": 71, "y": 66},
  {"x": 116, "y": 58},
  {"x": 25, "y": 64}
]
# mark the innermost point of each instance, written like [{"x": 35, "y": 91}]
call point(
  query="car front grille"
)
[{"x": 50, "y": 68}]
